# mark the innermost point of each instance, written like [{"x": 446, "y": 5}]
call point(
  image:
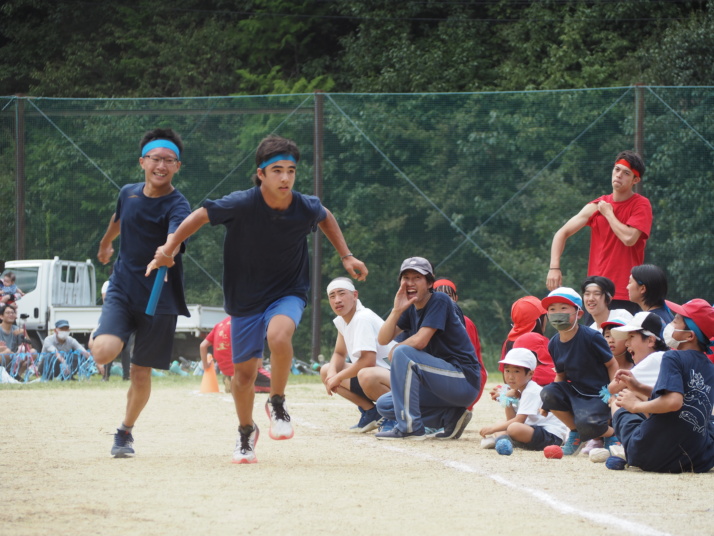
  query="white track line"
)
[{"x": 549, "y": 500}]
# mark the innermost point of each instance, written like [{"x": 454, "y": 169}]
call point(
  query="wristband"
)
[
  {"x": 165, "y": 255},
  {"x": 345, "y": 256},
  {"x": 556, "y": 269}
]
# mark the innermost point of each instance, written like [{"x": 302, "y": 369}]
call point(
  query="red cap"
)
[
  {"x": 698, "y": 311},
  {"x": 524, "y": 313},
  {"x": 537, "y": 343}
]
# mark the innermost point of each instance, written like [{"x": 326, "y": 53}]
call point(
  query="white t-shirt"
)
[
  {"x": 647, "y": 370},
  {"x": 530, "y": 404},
  {"x": 361, "y": 333}
]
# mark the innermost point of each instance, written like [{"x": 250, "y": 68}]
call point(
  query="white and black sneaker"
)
[
  {"x": 280, "y": 427},
  {"x": 245, "y": 444}
]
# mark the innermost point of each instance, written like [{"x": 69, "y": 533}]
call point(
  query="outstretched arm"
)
[
  {"x": 164, "y": 255},
  {"x": 104, "y": 255},
  {"x": 573, "y": 225},
  {"x": 355, "y": 267}
]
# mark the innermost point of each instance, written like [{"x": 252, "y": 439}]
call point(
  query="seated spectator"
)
[
  {"x": 672, "y": 431},
  {"x": 449, "y": 288},
  {"x": 10, "y": 293},
  {"x": 617, "y": 346},
  {"x": 524, "y": 425},
  {"x": 435, "y": 374},
  {"x": 584, "y": 365},
  {"x": 544, "y": 372},
  {"x": 527, "y": 315},
  {"x": 643, "y": 337},
  {"x": 358, "y": 369},
  {"x": 10, "y": 339},
  {"x": 647, "y": 288},
  {"x": 57, "y": 360}
]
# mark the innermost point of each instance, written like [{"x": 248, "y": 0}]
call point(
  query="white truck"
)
[{"x": 59, "y": 289}]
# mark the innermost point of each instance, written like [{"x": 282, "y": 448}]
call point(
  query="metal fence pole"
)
[
  {"x": 19, "y": 178},
  {"x": 639, "y": 127},
  {"x": 316, "y": 278}
]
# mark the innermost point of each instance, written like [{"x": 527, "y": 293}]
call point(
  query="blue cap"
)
[
  {"x": 563, "y": 295},
  {"x": 61, "y": 324}
]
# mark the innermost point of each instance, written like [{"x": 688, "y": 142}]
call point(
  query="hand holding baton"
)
[{"x": 156, "y": 291}]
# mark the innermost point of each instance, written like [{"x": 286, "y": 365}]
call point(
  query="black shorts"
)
[
  {"x": 541, "y": 439},
  {"x": 356, "y": 388},
  {"x": 591, "y": 414},
  {"x": 153, "y": 345}
]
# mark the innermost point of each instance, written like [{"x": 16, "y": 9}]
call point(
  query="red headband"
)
[
  {"x": 444, "y": 283},
  {"x": 625, "y": 163}
]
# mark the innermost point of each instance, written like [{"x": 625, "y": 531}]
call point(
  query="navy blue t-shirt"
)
[
  {"x": 265, "y": 250},
  {"x": 144, "y": 224},
  {"x": 450, "y": 342},
  {"x": 681, "y": 440},
  {"x": 583, "y": 360}
]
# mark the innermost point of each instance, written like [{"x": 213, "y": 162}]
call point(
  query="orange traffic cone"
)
[{"x": 209, "y": 383}]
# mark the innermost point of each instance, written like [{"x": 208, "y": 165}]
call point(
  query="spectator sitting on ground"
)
[
  {"x": 544, "y": 372},
  {"x": 524, "y": 425},
  {"x": 618, "y": 348},
  {"x": 358, "y": 369},
  {"x": 647, "y": 288},
  {"x": 57, "y": 360},
  {"x": 643, "y": 337},
  {"x": 673, "y": 432},
  {"x": 584, "y": 365},
  {"x": 10, "y": 339}
]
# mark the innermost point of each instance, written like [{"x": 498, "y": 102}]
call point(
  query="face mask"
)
[
  {"x": 560, "y": 321},
  {"x": 62, "y": 335},
  {"x": 669, "y": 340}
]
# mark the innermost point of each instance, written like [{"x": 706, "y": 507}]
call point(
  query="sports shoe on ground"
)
[
  {"x": 618, "y": 450},
  {"x": 455, "y": 429},
  {"x": 598, "y": 455},
  {"x": 592, "y": 444},
  {"x": 280, "y": 427},
  {"x": 431, "y": 432},
  {"x": 488, "y": 443},
  {"x": 573, "y": 444},
  {"x": 387, "y": 425},
  {"x": 611, "y": 442},
  {"x": 245, "y": 445},
  {"x": 368, "y": 422},
  {"x": 123, "y": 444},
  {"x": 396, "y": 433},
  {"x": 355, "y": 427}
]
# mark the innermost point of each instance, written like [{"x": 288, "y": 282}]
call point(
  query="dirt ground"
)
[{"x": 57, "y": 477}]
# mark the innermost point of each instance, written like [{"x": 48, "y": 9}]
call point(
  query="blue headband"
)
[
  {"x": 277, "y": 158},
  {"x": 166, "y": 144},
  {"x": 695, "y": 329}
]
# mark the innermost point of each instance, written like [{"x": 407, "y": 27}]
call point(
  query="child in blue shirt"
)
[
  {"x": 672, "y": 432},
  {"x": 583, "y": 366}
]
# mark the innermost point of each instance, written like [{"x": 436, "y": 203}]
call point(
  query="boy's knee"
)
[{"x": 385, "y": 406}]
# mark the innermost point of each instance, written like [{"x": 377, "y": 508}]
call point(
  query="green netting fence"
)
[{"x": 476, "y": 182}]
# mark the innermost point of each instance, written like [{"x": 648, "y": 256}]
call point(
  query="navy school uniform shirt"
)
[
  {"x": 144, "y": 224},
  {"x": 450, "y": 342},
  {"x": 265, "y": 250},
  {"x": 681, "y": 440},
  {"x": 583, "y": 360}
]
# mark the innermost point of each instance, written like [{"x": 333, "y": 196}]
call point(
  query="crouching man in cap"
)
[
  {"x": 61, "y": 353},
  {"x": 435, "y": 374}
]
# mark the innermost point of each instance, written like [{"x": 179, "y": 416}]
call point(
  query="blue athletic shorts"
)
[
  {"x": 154, "y": 341},
  {"x": 248, "y": 332}
]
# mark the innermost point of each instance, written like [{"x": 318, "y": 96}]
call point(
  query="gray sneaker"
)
[
  {"x": 455, "y": 429},
  {"x": 123, "y": 445}
]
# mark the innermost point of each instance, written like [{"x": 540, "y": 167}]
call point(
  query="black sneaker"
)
[{"x": 123, "y": 445}]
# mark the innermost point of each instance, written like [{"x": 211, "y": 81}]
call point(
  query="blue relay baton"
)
[{"x": 156, "y": 291}]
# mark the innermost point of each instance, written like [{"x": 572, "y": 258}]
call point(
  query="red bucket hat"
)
[{"x": 524, "y": 313}]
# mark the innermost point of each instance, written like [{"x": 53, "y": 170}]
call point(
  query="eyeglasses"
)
[{"x": 158, "y": 159}]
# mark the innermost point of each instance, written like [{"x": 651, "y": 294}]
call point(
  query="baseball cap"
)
[
  {"x": 698, "y": 311},
  {"x": 563, "y": 295},
  {"x": 520, "y": 357},
  {"x": 418, "y": 264},
  {"x": 62, "y": 324},
  {"x": 524, "y": 313},
  {"x": 649, "y": 324},
  {"x": 617, "y": 318}
]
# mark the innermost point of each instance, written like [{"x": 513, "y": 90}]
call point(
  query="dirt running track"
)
[{"x": 56, "y": 476}]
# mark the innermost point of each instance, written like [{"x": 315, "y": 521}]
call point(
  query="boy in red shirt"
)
[{"x": 620, "y": 225}]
